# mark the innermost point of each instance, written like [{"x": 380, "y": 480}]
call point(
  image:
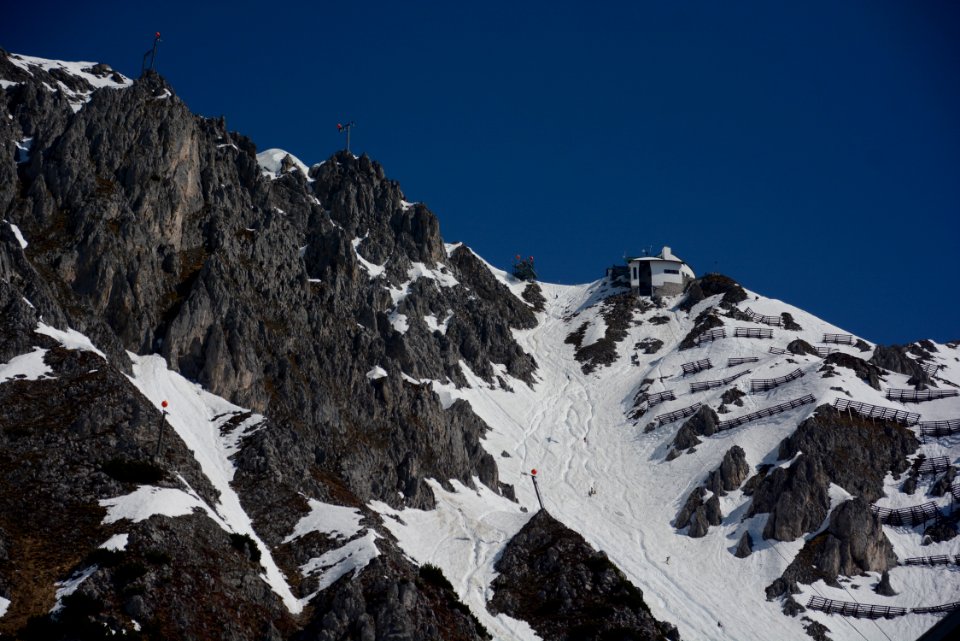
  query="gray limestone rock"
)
[
  {"x": 744, "y": 547},
  {"x": 796, "y": 497},
  {"x": 883, "y": 587}
]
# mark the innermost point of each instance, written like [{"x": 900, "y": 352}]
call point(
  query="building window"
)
[{"x": 671, "y": 271}]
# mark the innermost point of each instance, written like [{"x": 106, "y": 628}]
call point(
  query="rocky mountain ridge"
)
[{"x": 350, "y": 397}]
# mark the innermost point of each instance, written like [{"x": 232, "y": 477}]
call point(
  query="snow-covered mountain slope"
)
[
  {"x": 608, "y": 478},
  {"x": 351, "y": 398}
]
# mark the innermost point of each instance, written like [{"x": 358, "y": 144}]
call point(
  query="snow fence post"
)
[{"x": 163, "y": 420}]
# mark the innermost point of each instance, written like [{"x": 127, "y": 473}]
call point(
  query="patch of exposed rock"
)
[
  {"x": 703, "y": 423},
  {"x": 853, "y": 543},
  {"x": 796, "y": 497},
  {"x": 744, "y": 547},
  {"x": 617, "y": 312},
  {"x": 789, "y": 323},
  {"x": 732, "y": 472},
  {"x": 700, "y": 514},
  {"x": 799, "y": 346},
  {"x": 534, "y": 295},
  {"x": 867, "y": 372},
  {"x": 552, "y": 579},
  {"x": 711, "y": 285},
  {"x": 706, "y": 321},
  {"x": 854, "y": 452}
]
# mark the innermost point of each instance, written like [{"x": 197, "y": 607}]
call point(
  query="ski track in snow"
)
[{"x": 573, "y": 428}]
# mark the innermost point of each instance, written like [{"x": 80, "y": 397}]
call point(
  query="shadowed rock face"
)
[
  {"x": 153, "y": 230},
  {"x": 855, "y": 453},
  {"x": 848, "y": 450},
  {"x": 869, "y": 373},
  {"x": 551, "y": 578},
  {"x": 703, "y": 423}
]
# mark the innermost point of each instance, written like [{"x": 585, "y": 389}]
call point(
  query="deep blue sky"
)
[{"x": 811, "y": 150}]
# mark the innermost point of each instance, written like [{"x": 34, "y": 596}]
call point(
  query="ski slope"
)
[{"x": 573, "y": 428}]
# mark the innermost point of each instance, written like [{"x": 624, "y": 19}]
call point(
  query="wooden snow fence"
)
[
  {"x": 940, "y": 428},
  {"x": 776, "y": 321},
  {"x": 912, "y": 515},
  {"x": 696, "y": 366},
  {"x": 765, "y": 412},
  {"x": 705, "y": 385},
  {"x": 869, "y": 611},
  {"x": 753, "y": 332},
  {"x": 856, "y": 610},
  {"x": 823, "y": 352},
  {"x": 764, "y": 384},
  {"x": 741, "y": 360},
  {"x": 946, "y": 607},
  {"x": 777, "y": 350},
  {"x": 676, "y": 415},
  {"x": 839, "y": 339},
  {"x": 876, "y": 411},
  {"x": 934, "y": 465},
  {"x": 941, "y": 559},
  {"x": 646, "y": 401},
  {"x": 711, "y": 335},
  {"x": 917, "y": 396},
  {"x": 929, "y": 368}
]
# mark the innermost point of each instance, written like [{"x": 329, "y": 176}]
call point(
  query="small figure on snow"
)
[{"x": 592, "y": 491}]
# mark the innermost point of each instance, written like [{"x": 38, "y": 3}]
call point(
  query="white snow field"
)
[{"x": 573, "y": 428}]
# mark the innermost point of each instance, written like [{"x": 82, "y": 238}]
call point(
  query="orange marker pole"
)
[
  {"x": 163, "y": 421},
  {"x": 536, "y": 488}
]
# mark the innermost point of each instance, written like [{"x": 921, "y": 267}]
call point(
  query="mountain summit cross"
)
[{"x": 346, "y": 128}]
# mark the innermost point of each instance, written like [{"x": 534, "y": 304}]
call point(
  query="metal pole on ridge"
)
[
  {"x": 163, "y": 420},
  {"x": 536, "y": 488},
  {"x": 151, "y": 53}
]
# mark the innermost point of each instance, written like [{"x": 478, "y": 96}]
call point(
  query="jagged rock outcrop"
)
[
  {"x": 883, "y": 587},
  {"x": 711, "y": 285},
  {"x": 855, "y": 453},
  {"x": 700, "y": 514},
  {"x": 796, "y": 497},
  {"x": 388, "y": 601},
  {"x": 703, "y": 423},
  {"x": 744, "y": 547},
  {"x": 151, "y": 230},
  {"x": 848, "y": 450},
  {"x": 895, "y": 359},
  {"x": 788, "y": 322},
  {"x": 853, "y": 543},
  {"x": 552, "y": 579},
  {"x": 706, "y": 321},
  {"x": 867, "y": 372},
  {"x": 800, "y": 346},
  {"x": 731, "y": 474}
]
